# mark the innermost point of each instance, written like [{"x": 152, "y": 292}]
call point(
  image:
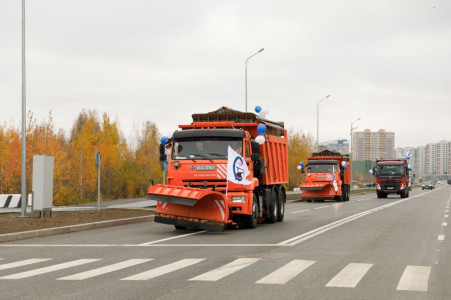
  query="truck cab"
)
[{"x": 392, "y": 177}]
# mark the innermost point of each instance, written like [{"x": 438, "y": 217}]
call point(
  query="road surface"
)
[{"x": 366, "y": 248}]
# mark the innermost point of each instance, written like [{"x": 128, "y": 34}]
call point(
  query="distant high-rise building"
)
[
  {"x": 369, "y": 145},
  {"x": 341, "y": 146},
  {"x": 437, "y": 158}
]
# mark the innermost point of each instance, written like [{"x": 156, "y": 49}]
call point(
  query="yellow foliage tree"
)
[{"x": 300, "y": 147}]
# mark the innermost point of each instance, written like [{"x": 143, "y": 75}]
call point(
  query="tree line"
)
[{"x": 125, "y": 170}]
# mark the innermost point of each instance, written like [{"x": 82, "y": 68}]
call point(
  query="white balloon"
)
[
  {"x": 263, "y": 113},
  {"x": 260, "y": 139},
  {"x": 299, "y": 167}
]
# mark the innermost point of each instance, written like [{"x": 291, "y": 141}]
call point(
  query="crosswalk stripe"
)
[
  {"x": 350, "y": 275},
  {"x": 226, "y": 270},
  {"x": 414, "y": 278},
  {"x": 287, "y": 272},
  {"x": 22, "y": 263},
  {"x": 49, "y": 269},
  {"x": 106, "y": 269},
  {"x": 164, "y": 269}
]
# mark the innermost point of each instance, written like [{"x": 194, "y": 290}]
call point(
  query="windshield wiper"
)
[
  {"x": 216, "y": 154},
  {"x": 201, "y": 155}
]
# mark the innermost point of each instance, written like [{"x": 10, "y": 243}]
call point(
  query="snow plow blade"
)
[
  {"x": 313, "y": 186},
  {"x": 189, "y": 207}
]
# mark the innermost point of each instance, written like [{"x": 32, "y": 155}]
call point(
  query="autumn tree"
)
[
  {"x": 300, "y": 147},
  {"x": 147, "y": 157}
]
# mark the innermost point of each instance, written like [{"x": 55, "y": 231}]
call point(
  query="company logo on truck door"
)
[{"x": 238, "y": 170}]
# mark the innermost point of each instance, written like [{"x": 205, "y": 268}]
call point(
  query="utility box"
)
[{"x": 42, "y": 182}]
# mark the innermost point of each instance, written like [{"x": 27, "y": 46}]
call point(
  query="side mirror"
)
[
  {"x": 255, "y": 147},
  {"x": 162, "y": 154}
]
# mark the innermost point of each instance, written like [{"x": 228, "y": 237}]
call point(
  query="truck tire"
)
[
  {"x": 251, "y": 221},
  {"x": 281, "y": 196},
  {"x": 273, "y": 208},
  {"x": 405, "y": 194},
  {"x": 348, "y": 192},
  {"x": 180, "y": 227}
]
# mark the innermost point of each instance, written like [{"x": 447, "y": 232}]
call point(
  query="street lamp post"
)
[
  {"x": 245, "y": 79},
  {"x": 317, "y": 121},
  {"x": 351, "y": 150},
  {"x": 352, "y": 129},
  {"x": 24, "y": 114}
]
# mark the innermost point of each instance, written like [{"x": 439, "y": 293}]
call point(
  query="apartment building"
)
[{"x": 372, "y": 145}]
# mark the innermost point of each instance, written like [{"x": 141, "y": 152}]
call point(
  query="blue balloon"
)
[
  {"x": 261, "y": 129},
  {"x": 333, "y": 150},
  {"x": 258, "y": 109},
  {"x": 345, "y": 167},
  {"x": 164, "y": 140},
  {"x": 301, "y": 164}
]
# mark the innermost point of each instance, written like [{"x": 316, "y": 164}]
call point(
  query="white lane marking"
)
[
  {"x": 49, "y": 269},
  {"x": 287, "y": 272},
  {"x": 134, "y": 245},
  {"x": 444, "y": 224},
  {"x": 164, "y": 269},
  {"x": 321, "y": 207},
  {"x": 305, "y": 236},
  {"x": 106, "y": 269},
  {"x": 446, "y": 216},
  {"x": 414, "y": 278},
  {"x": 226, "y": 270},
  {"x": 22, "y": 263},
  {"x": 441, "y": 237},
  {"x": 299, "y": 211},
  {"x": 172, "y": 238},
  {"x": 350, "y": 276}
]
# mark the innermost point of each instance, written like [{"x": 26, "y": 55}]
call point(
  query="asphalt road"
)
[{"x": 367, "y": 248}]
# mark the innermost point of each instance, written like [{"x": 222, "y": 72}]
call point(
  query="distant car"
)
[{"x": 427, "y": 185}]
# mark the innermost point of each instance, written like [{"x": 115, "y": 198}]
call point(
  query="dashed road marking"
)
[
  {"x": 226, "y": 270},
  {"x": 441, "y": 237},
  {"x": 444, "y": 224},
  {"x": 299, "y": 211},
  {"x": 106, "y": 269},
  {"x": 414, "y": 278},
  {"x": 350, "y": 276},
  {"x": 23, "y": 263},
  {"x": 164, "y": 269},
  {"x": 49, "y": 269},
  {"x": 287, "y": 272},
  {"x": 321, "y": 207}
]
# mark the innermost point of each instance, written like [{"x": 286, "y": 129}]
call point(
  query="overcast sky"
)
[{"x": 386, "y": 61}]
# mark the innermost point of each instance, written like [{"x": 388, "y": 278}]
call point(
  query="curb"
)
[{"x": 8, "y": 237}]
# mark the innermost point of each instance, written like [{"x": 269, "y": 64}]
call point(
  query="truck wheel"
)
[
  {"x": 179, "y": 227},
  {"x": 251, "y": 221},
  {"x": 281, "y": 197},
  {"x": 274, "y": 207}
]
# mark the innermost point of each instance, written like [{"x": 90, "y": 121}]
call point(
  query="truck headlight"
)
[{"x": 238, "y": 199}]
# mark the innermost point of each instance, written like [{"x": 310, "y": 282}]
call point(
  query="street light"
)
[
  {"x": 317, "y": 121},
  {"x": 24, "y": 115},
  {"x": 352, "y": 129},
  {"x": 352, "y": 152},
  {"x": 245, "y": 83}
]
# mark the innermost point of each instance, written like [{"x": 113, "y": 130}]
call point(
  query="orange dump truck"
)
[
  {"x": 328, "y": 177},
  {"x": 198, "y": 194}
]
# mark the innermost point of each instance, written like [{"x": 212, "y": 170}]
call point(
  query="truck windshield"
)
[
  {"x": 322, "y": 168},
  {"x": 205, "y": 148},
  {"x": 390, "y": 171}
]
